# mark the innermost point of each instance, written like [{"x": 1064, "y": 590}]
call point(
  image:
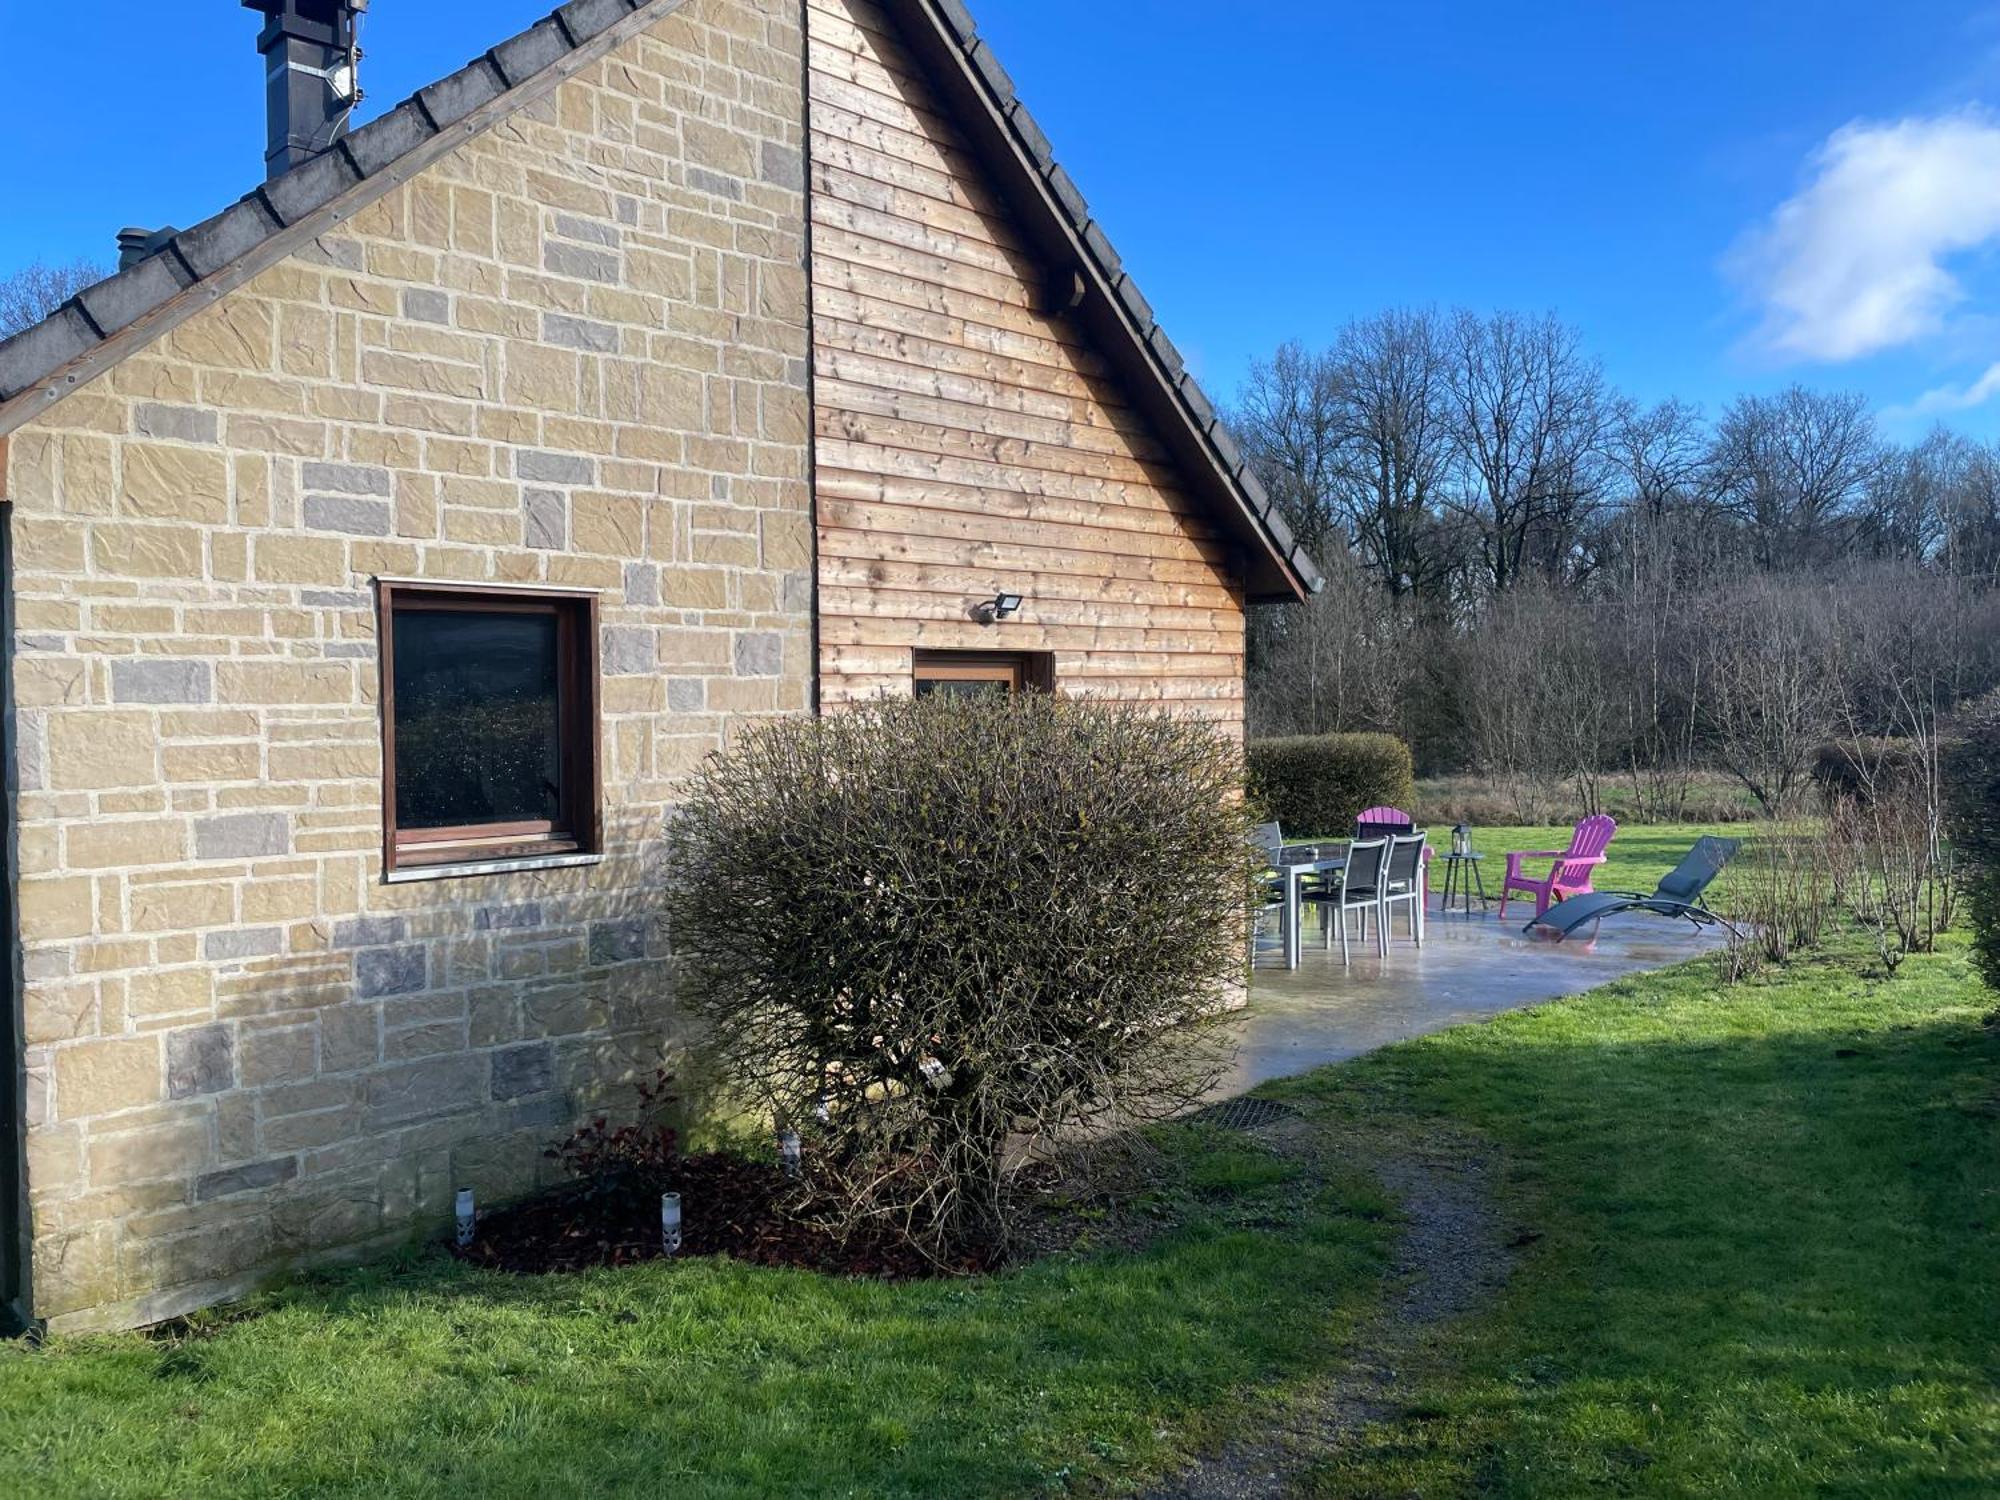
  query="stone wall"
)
[{"x": 570, "y": 353}]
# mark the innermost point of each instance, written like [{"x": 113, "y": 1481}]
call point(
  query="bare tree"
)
[
  {"x": 36, "y": 290},
  {"x": 1289, "y": 425},
  {"x": 1795, "y": 469},
  {"x": 1527, "y": 411},
  {"x": 1771, "y": 679}
]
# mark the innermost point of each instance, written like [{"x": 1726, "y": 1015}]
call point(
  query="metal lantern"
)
[
  {"x": 468, "y": 1218},
  {"x": 670, "y": 1223},
  {"x": 1461, "y": 840}
]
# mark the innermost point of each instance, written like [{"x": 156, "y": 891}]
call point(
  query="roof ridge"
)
[{"x": 129, "y": 307}]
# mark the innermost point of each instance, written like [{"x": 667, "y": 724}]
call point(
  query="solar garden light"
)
[
  {"x": 788, "y": 1151},
  {"x": 468, "y": 1218},
  {"x": 670, "y": 1223}
]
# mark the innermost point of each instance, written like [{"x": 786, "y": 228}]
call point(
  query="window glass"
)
[{"x": 478, "y": 722}]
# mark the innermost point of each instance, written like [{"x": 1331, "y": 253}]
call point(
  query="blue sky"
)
[{"x": 1723, "y": 197}]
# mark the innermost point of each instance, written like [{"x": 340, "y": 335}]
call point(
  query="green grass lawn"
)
[
  {"x": 712, "y": 1379},
  {"x": 1766, "y": 1265},
  {"x": 1758, "y": 1258}
]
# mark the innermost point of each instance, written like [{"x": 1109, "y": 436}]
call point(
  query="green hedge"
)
[
  {"x": 1860, "y": 768},
  {"x": 1314, "y": 785},
  {"x": 1971, "y": 775}
]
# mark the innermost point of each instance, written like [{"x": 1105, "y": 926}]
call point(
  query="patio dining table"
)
[{"x": 1297, "y": 864}]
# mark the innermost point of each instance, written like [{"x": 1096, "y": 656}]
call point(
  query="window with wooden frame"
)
[
  {"x": 966, "y": 672},
  {"x": 489, "y": 725}
]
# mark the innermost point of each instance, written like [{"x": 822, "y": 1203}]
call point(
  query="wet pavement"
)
[{"x": 1469, "y": 969}]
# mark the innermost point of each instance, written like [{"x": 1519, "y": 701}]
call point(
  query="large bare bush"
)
[{"x": 943, "y": 936}]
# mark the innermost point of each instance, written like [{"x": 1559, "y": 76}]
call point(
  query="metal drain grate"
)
[{"x": 1244, "y": 1114}]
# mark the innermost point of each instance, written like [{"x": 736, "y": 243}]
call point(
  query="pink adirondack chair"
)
[
  {"x": 1395, "y": 817},
  {"x": 1570, "y": 875}
]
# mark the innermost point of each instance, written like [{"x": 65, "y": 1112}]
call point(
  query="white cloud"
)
[
  {"x": 1949, "y": 398},
  {"x": 1855, "y": 261}
]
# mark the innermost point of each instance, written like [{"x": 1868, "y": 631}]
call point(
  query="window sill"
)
[{"x": 410, "y": 874}]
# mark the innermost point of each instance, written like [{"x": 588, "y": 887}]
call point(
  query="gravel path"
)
[{"x": 1452, "y": 1256}]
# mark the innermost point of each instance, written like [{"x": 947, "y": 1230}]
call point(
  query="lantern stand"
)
[{"x": 1461, "y": 873}]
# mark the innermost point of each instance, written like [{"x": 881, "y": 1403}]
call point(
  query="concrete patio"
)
[{"x": 1470, "y": 968}]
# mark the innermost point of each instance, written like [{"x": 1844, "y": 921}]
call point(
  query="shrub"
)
[
  {"x": 1315, "y": 784},
  {"x": 1971, "y": 777},
  {"x": 1863, "y": 769},
  {"x": 941, "y": 937},
  {"x": 623, "y": 1169}
]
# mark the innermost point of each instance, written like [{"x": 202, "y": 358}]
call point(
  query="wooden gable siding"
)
[{"x": 968, "y": 444}]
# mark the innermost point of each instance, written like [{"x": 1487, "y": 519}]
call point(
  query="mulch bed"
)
[{"x": 729, "y": 1206}]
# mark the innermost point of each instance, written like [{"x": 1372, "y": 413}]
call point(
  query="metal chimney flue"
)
[{"x": 312, "y": 56}]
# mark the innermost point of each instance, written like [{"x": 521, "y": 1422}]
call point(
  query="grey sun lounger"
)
[{"x": 1679, "y": 895}]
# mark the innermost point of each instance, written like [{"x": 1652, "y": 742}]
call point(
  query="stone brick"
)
[
  {"x": 687, "y": 695},
  {"x": 242, "y": 836},
  {"x": 546, "y": 517},
  {"x": 345, "y": 513},
  {"x": 426, "y": 305},
  {"x": 255, "y": 1177},
  {"x": 98, "y": 1078},
  {"x": 180, "y": 484},
  {"x": 200, "y": 1061},
  {"x": 408, "y": 1092},
  {"x": 370, "y": 932},
  {"x": 520, "y": 1071},
  {"x": 91, "y": 750},
  {"x": 554, "y": 468},
  {"x": 619, "y": 941},
  {"x": 391, "y": 971},
  {"x": 629, "y": 651},
  {"x": 346, "y": 479},
  {"x": 162, "y": 681},
  {"x": 760, "y": 654},
  {"x": 182, "y": 424},
  {"x": 244, "y": 942},
  {"x": 120, "y": 844},
  {"x": 580, "y": 333},
  {"x": 283, "y": 1054}
]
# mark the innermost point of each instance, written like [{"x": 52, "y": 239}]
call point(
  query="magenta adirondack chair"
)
[{"x": 1570, "y": 875}]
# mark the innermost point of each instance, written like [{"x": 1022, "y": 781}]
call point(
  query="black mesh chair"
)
[
  {"x": 1403, "y": 882},
  {"x": 1678, "y": 895},
  {"x": 1358, "y": 887}
]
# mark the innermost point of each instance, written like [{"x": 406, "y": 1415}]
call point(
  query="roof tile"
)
[
  {"x": 1198, "y": 402},
  {"x": 959, "y": 19},
  {"x": 1033, "y": 137},
  {"x": 997, "y": 77},
  {"x": 1070, "y": 196},
  {"x": 521, "y": 58},
  {"x": 583, "y": 19},
  {"x": 1136, "y": 303},
  {"x": 450, "y": 100},
  {"x": 1169, "y": 355},
  {"x": 122, "y": 300},
  {"x": 381, "y": 142},
  {"x": 310, "y": 185},
  {"x": 213, "y": 244},
  {"x": 1100, "y": 245},
  {"x": 39, "y": 351}
]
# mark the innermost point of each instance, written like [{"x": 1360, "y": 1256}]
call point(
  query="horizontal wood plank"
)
[{"x": 968, "y": 442}]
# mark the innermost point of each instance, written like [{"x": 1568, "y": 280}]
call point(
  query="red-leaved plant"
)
[{"x": 624, "y": 1168}]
